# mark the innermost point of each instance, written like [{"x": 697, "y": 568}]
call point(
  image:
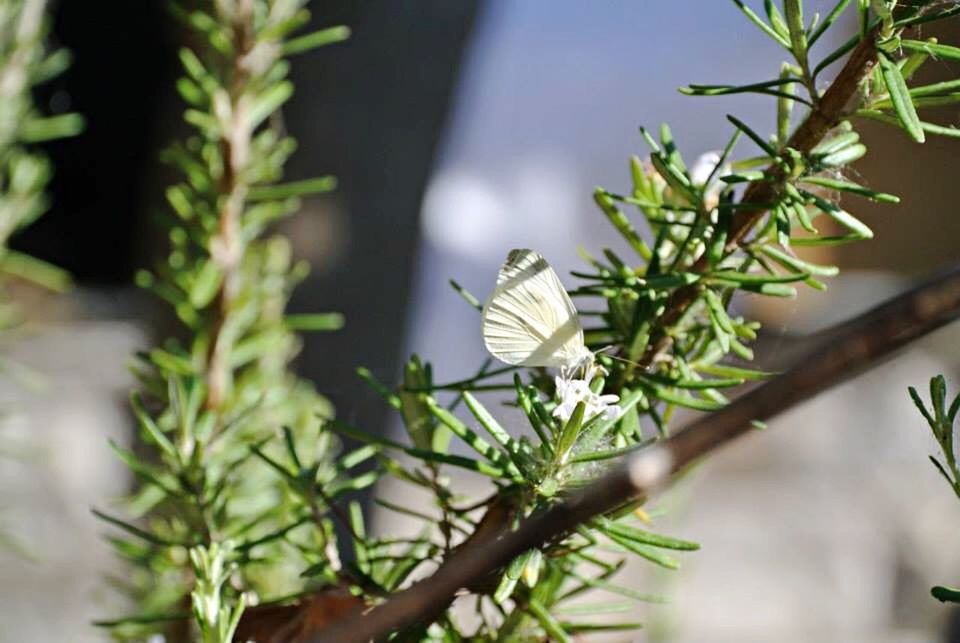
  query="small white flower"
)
[
  {"x": 701, "y": 170},
  {"x": 571, "y": 392},
  {"x": 703, "y": 167}
]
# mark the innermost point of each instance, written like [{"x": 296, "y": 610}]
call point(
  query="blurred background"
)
[{"x": 459, "y": 130}]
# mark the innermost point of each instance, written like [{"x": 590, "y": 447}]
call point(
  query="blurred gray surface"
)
[
  {"x": 60, "y": 467},
  {"x": 828, "y": 526}
]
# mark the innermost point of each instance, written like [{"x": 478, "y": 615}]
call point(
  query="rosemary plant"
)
[
  {"x": 239, "y": 493},
  {"x": 209, "y": 528},
  {"x": 941, "y": 418},
  {"x": 698, "y": 235},
  {"x": 25, "y": 63}
]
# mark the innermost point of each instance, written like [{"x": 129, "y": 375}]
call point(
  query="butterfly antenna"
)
[{"x": 618, "y": 358}]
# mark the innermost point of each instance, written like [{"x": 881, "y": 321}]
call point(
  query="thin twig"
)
[
  {"x": 13, "y": 75},
  {"x": 853, "y": 347},
  {"x": 227, "y": 247}
]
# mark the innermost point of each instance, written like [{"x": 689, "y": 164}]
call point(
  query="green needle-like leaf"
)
[
  {"x": 946, "y": 594},
  {"x": 758, "y": 21},
  {"x": 550, "y": 625},
  {"x": 644, "y": 551},
  {"x": 472, "y": 439},
  {"x": 299, "y": 188},
  {"x": 793, "y": 11},
  {"x": 569, "y": 433},
  {"x": 828, "y": 21},
  {"x": 945, "y": 52},
  {"x": 753, "y": 278},
  {"x": 316, "y": 322},
  {"x": 316, "y": 39},
  {"x": 645, "y": 537},
  {"x": 136, "y": 531},
  {"x": 900, "y": 96},
  {"x": 756, "y": 138},
  {"x": 852, "y": 188}
]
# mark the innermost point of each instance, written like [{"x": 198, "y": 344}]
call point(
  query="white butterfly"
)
[{"x": 529, "y": 319}]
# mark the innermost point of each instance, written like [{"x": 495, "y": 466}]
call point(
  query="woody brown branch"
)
[
  {"x": 227, "y": 247},
  {"x": 852, "y": 348}
]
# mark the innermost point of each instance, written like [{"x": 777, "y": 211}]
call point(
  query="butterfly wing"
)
[{"x": 529, "y": 319}]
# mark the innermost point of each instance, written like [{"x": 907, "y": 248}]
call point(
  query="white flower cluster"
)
[{"x": 571, "y": 392}]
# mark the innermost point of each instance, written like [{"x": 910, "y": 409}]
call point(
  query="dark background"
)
[{"x": 370, "y": 111}]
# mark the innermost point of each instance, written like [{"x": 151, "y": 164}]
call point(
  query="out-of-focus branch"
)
[
  {"x": 852, "y": 347},
  {"x": 24, "y": 50},
  {"x": 13, "y": 75},
  {"x": 228, "y": 245}
]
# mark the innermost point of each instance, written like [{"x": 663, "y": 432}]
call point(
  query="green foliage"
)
[
  {"x": 216, "y": 621},
  {"x": 941, "y": 418},
  {"x": 240, "y": 474},
  {"x": 218, "y": 407},
  {"x": 697, "y": 236},
  {"x": 25, "y": 63}
]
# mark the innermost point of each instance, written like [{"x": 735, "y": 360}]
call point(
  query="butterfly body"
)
[{"x": 529, "y": 320}]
